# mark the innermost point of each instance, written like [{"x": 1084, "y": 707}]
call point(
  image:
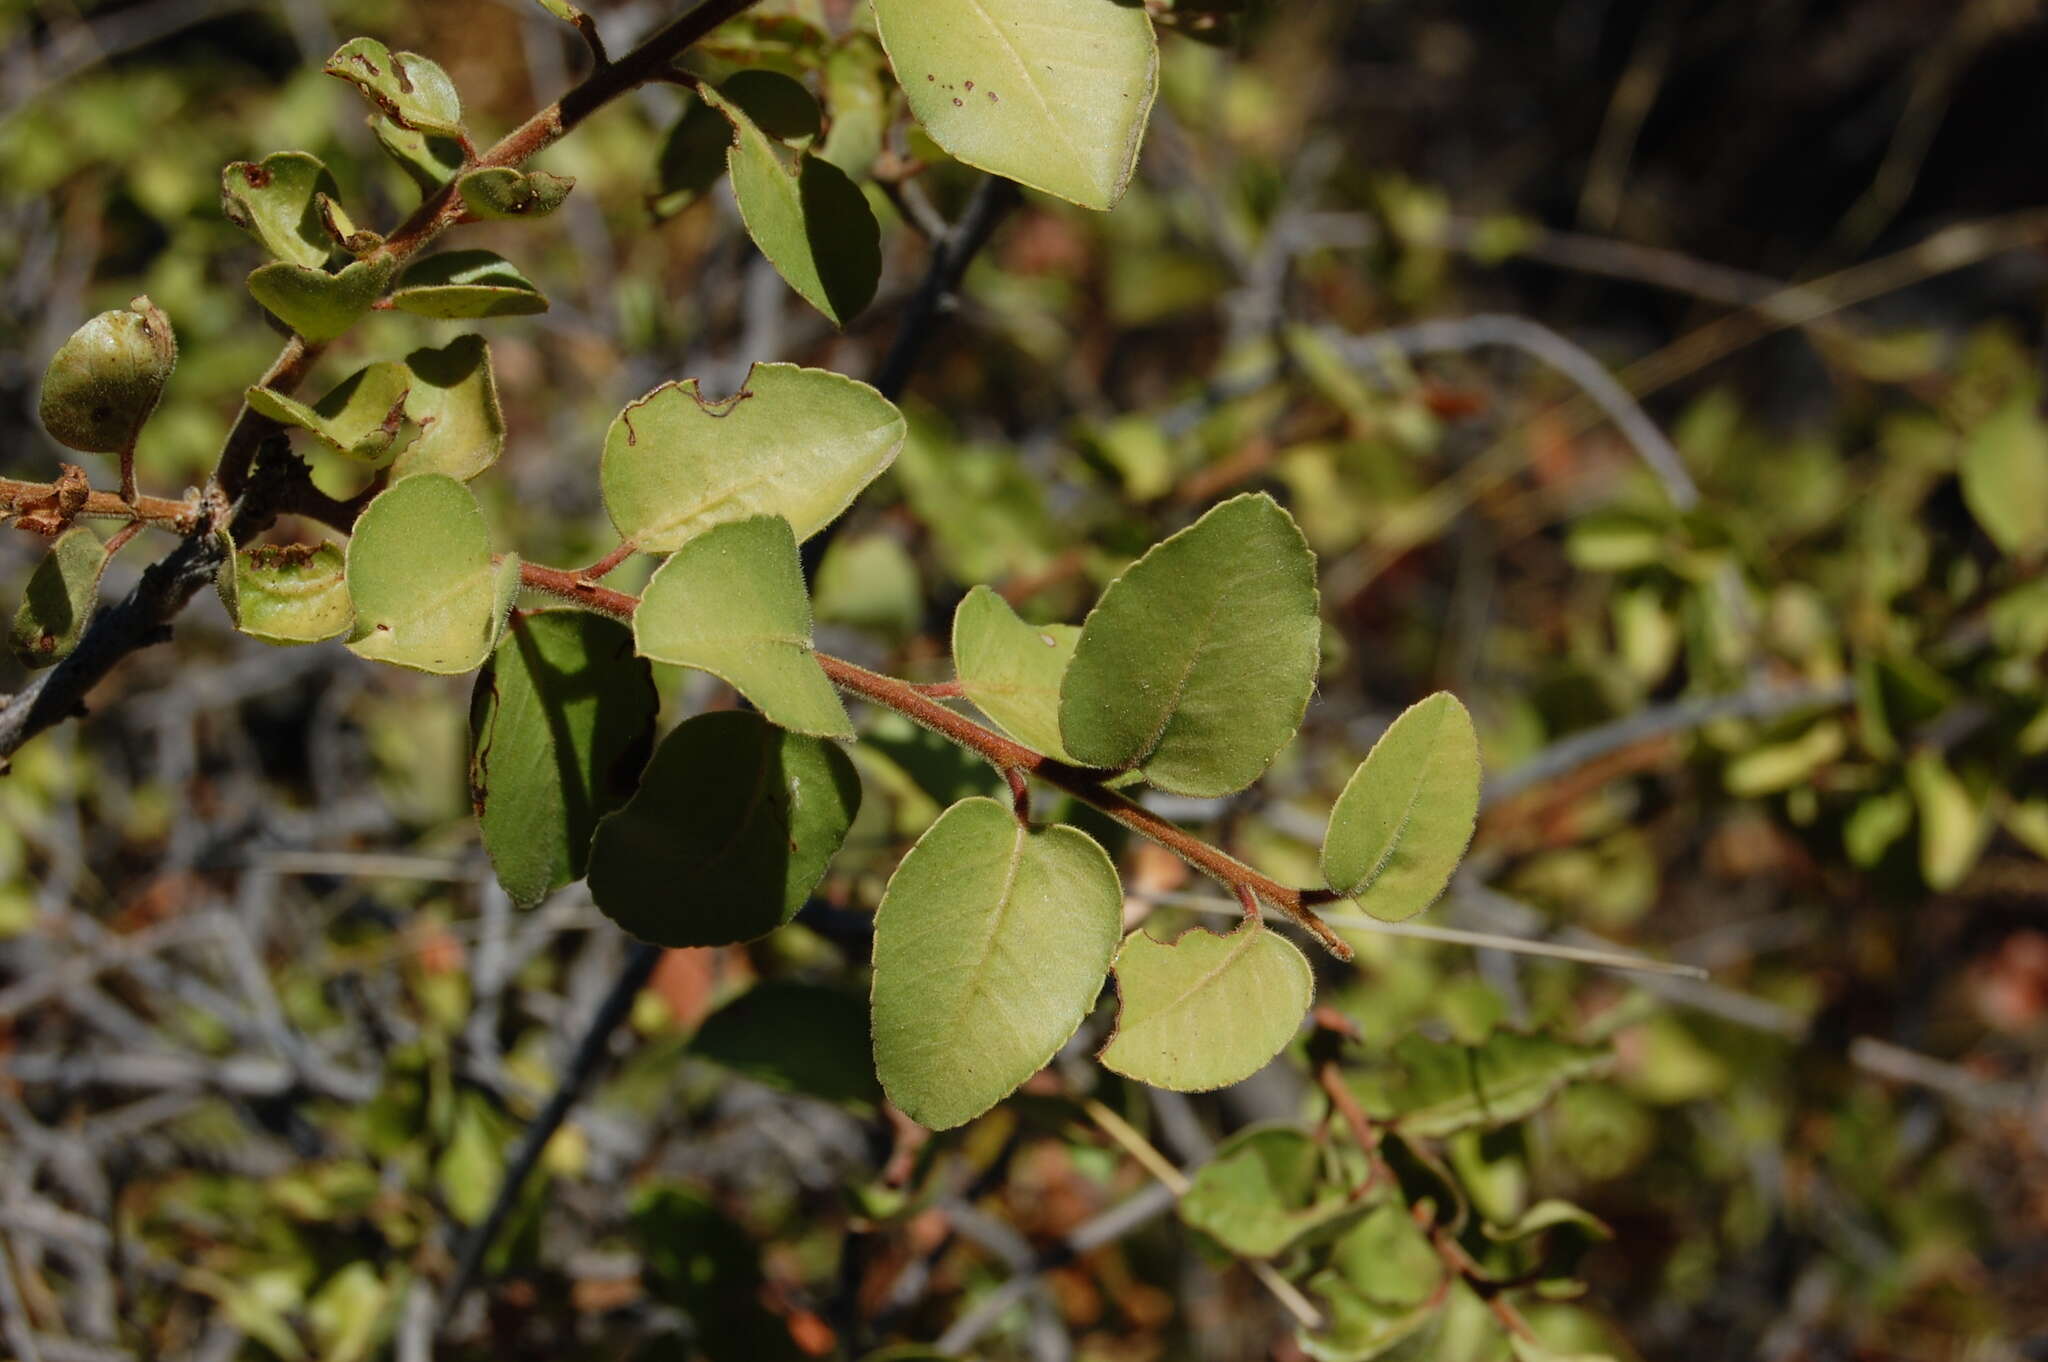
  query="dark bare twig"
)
[{"x": 612, "y": 1009}]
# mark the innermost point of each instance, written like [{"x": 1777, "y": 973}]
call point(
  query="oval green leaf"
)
[
  {"x": 798, "y": 443},
  {"x": 990, "y": 947},
  {"x": 810, "y": 220},
  {"x": 1267, "y": 1186},
  {"x": 58, "y": 603},
  {"x": 1197, "y": 664},
  {"x": 732, "y": 827},
  {"x": 317, "y": 305},
  {"x": 731, "y": 602},
  {"x": 561, "y": 724},
  {"x": 276, "y": 202},
  {"x": 1206, "y": 1011},
  {"x": 361, "y": 419},
  {"x": 795, "y": 1037},
  {"x": 427, "y": 594},
  {"x": 453, "y": 400},
  {"x": 1012, "y": 670},
  {"x": 1406, "y": 816},
  {"x": 467, "y": 284},
  {"x": 287, "y": 593},
  {"x": 1050, "y": 93},
  {"x": 2005, "y": 477}
]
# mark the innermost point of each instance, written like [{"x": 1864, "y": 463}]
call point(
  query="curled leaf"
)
[
  {"x": 406, "y": 88},
  {"x": 58, "y": 603},
  {"x": 467, "y": 284},
  {"x": 317, "y": 305},
  {"x": 286, "y": 593},
  {"x": 277, "y": 201},
  {"x": 360, "y": 419},
  {"x": 500, "y": 192}
]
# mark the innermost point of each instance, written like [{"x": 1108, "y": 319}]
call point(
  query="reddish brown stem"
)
[
  {"x": 1005, "y": 755},
  {"x": 1449, "y": 1251},
  {"x": 159, "y": 511},
  {"x": 608, "y": 564}
]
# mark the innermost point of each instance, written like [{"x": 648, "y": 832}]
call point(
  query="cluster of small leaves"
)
[{"x": 1404, "y": 1239}]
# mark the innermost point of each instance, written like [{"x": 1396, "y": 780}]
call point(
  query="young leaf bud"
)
[{"x": 103, "y": 383}]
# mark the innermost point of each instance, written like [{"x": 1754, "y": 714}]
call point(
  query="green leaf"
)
[
  {"x": 561, "y": 724},
  {"x": 104, "y": 381},
  {"x": 454, "y": 402},
  {"x": 871, "y": 581},
  {"x": 1050, "y": 93},
  {"x": 1953, "y": 825},
  {"x": 810, "y": 220},
  {"x": 470, "y": 1167},
  {"x": 857, "y": 89},
  {"x": 426, "y": 592},
  {"x": 317, "y": 305},
  {"x": 731, "y": 602},
  {"x": 58, "y": 603},
  {"x": 777, "y": 104},
  {"x": 1266, "y": 1187},
  {"x": 990, "y": 947},
  {"x": 430, "y": 161},
  {"x": 1782, "y": 766},
  {"x": 732, "y": 827},
  {"x": 467, "y": 284},
  {"x": 1406, "y": 816},
  {"x": 1387, "y": 1259},
  {"x": 798, "y": 443},
  {"x": 286, "y": 593},
  {"x": 361, "y": 418},
  {"x": 795, "y": 1037},
  {"x": 500, "y": 192},
  {"x": 276, "y": 202},
  {"x": 1197, "y": 664},
  {"x": 1205, "y": 1011},
  {"x": 2005, "y": 477},
  {"x": 1012, "y": 670},
  {"x": 405, "y": 87},
  {"x": 1433, "y": 1088}
]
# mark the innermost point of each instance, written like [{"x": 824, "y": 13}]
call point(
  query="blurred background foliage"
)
[{"x": 267, "y": 1027}]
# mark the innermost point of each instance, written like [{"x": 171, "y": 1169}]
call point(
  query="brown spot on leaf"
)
[{"x": 957, "y": 102}]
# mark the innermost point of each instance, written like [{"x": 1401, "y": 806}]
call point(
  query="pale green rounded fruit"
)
[{"x": 103, "y": 383}]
